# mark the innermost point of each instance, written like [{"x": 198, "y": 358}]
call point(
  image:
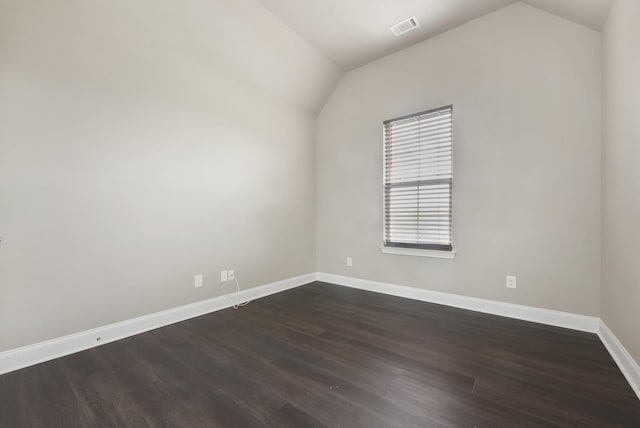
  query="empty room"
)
[{"x": 319, "y": 213}]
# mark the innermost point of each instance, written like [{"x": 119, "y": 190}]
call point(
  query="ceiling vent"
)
[{"x": 405, "y": 26}]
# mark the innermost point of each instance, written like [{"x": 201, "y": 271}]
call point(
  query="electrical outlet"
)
[
  {"x": 223, "y": 276},
  {"x": 511, "y": 281},
  {"x": 198, "y": 281},
  {"x": 349, "y": 261},
  {"x": 231, "y": 275}
]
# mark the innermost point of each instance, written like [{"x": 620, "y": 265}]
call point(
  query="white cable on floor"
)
[{"x": 238, "y": 304}]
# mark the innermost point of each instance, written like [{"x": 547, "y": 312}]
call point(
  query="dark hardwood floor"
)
[{"x": 323, "y": 355}]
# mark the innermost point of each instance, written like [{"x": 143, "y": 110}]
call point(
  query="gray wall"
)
[
  {"x": 525, "y": 86},
  {"x": 142, "y": 143},
  {"x": 621, "y": 175}
]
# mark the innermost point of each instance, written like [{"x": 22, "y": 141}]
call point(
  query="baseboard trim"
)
[
  {"x": 26, "y": 356},
  {"x": 526, "y": 313},
  {"x": 628, "y": 366}
]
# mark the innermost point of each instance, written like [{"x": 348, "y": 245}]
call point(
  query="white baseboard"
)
[
  {"x": 526, "y": 313},
  {"x": 628, "y": 366},
  {"x": 26, "y": 356}
]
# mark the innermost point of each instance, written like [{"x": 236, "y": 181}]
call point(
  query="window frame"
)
[{"x": 418, "y": 249}]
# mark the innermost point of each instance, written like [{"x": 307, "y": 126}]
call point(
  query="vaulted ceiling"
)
[{"x": 354, "y": 32}]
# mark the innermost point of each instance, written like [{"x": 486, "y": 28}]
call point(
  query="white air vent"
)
[{"x": 405, "y": 26}]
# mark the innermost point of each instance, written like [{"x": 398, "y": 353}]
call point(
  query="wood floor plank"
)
[{"x": 328, "y": 356}]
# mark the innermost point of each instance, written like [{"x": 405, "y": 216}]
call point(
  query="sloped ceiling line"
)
[{"x": 352, "y": 33}]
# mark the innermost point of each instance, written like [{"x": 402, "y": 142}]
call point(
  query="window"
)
[{"x": 418, "y": 179}]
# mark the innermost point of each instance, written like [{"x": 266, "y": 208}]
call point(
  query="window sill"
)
[{"x": 418, "y": 252}]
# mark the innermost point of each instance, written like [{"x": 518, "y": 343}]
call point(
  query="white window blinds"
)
[{"x": 418, "y": 177}]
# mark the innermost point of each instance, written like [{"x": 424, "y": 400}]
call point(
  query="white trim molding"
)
[
  {"x": 26, "y": 356},
  {"x": 419, "y": 252},
  {"x": 526, "y": 313},
  {"x": 628, "y": 366}
]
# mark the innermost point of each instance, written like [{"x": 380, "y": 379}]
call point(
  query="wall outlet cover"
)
[{"x": 198, "y": 281}]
